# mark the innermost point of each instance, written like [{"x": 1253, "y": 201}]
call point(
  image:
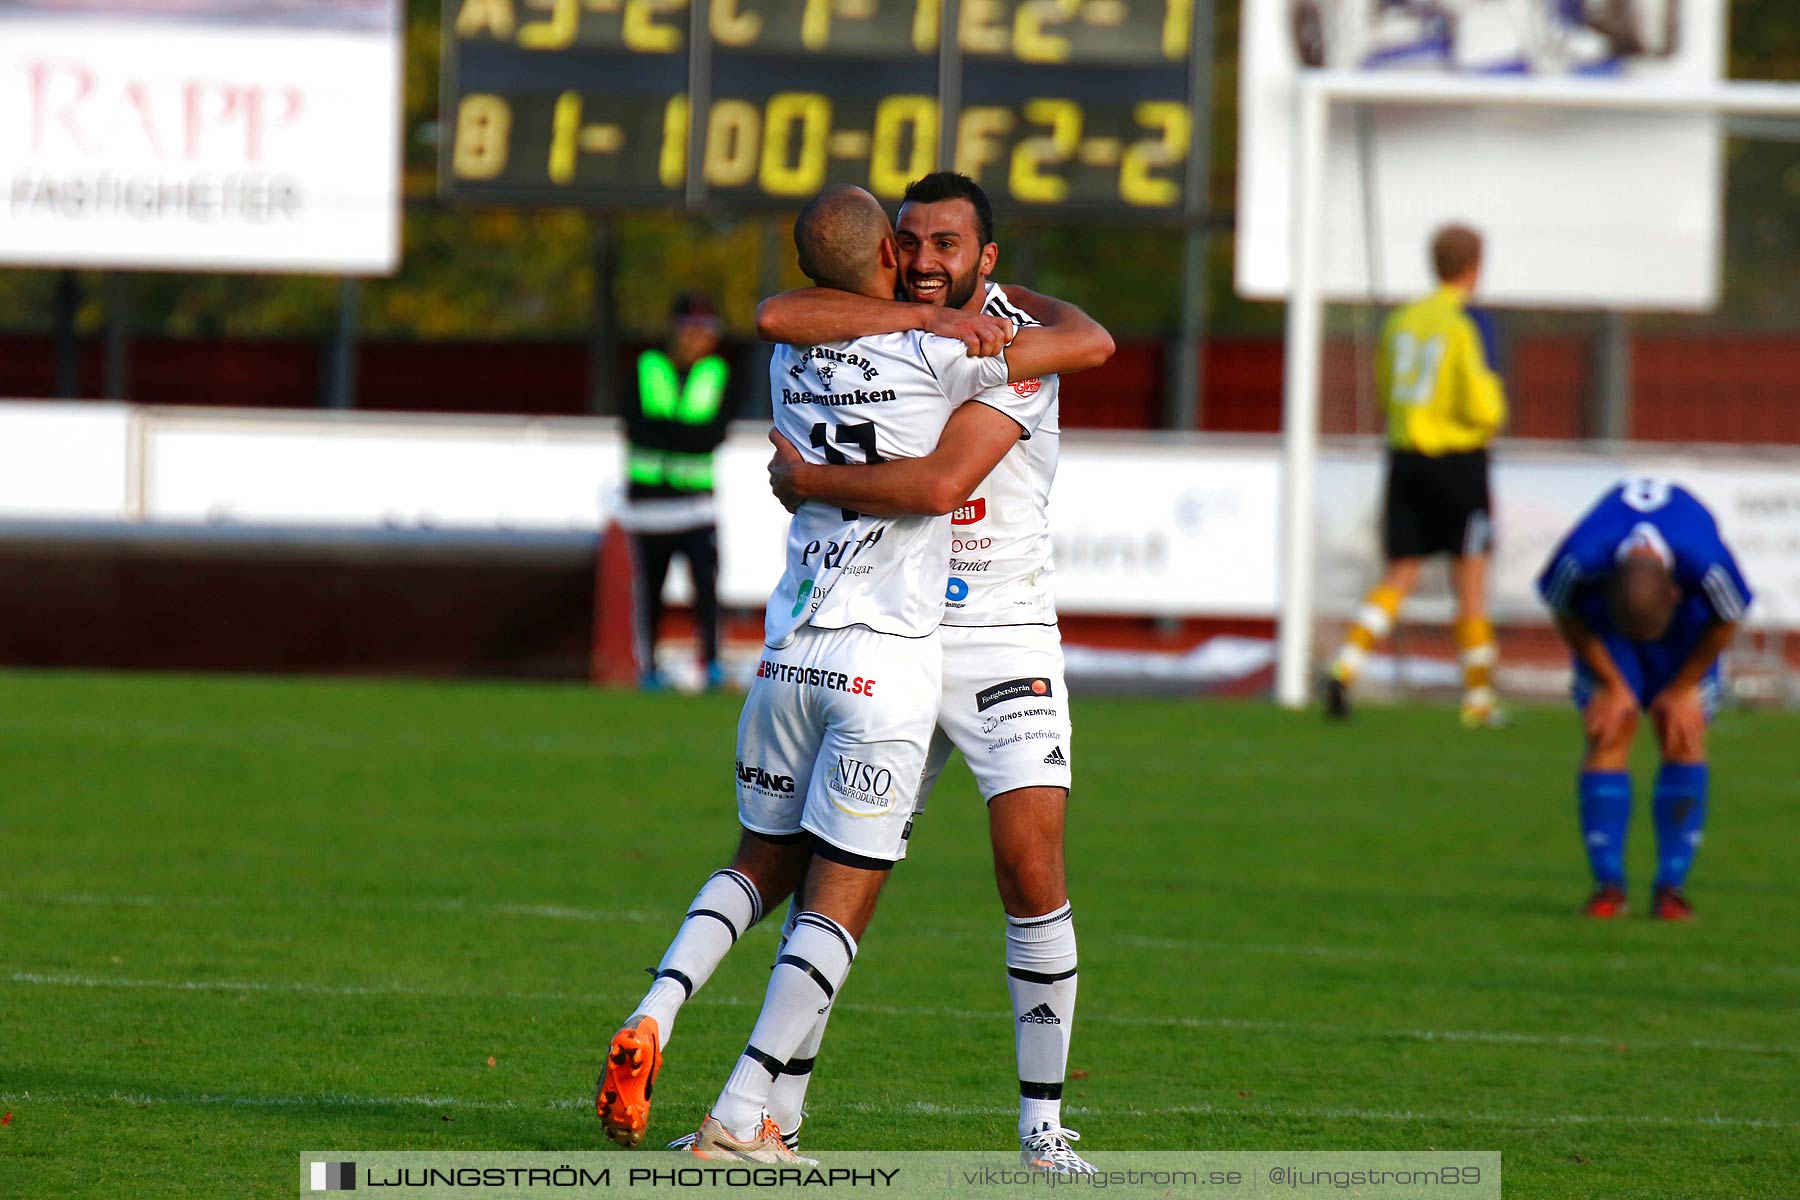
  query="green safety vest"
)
[{"x": 664, "y": 398}]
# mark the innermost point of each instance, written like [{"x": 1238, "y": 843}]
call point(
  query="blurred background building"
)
[{"x": 499, "y": 283}]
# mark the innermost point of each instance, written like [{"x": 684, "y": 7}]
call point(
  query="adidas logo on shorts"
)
[
  {"x": 1041, "y": 1015},
  {"x": 1055, "y": 758}
]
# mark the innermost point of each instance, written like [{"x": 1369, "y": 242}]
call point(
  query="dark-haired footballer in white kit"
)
[
  {"x": 835, "y": 730},
  {"x": 850, "y": 665},
  {"x": 1004, "y": 703}
]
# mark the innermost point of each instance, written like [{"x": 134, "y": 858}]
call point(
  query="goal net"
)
[{"x": 1636, "y": 299}]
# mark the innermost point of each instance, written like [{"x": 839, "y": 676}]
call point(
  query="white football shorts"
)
[
  {"x": 1005, "y": 706},
  {"x": 833, "y": 739}
]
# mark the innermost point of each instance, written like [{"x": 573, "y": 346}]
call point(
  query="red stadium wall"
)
[{"x": 1715, "y": 388}]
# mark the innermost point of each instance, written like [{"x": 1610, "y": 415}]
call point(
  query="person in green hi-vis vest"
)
[{"x": 674, "y": 423}]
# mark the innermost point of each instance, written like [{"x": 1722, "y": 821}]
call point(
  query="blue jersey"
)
[
  {"x": 1665, "y": 518},
  {"x": 1668, "y": 520}
]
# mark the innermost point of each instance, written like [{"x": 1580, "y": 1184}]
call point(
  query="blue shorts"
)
[{"x": 1647, "y": 667}]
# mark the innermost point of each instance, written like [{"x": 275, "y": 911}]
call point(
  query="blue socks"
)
[
  {"x": 1680, "y": 807},
  {"x": 1605, "y": 814},
  {"x": 1680, "y": 816}
]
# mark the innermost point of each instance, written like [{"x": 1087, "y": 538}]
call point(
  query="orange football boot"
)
[{"x": 622, "y": 1097}]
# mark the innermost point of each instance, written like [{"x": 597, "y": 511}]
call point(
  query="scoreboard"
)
[{"x": 1060, "y": 107}]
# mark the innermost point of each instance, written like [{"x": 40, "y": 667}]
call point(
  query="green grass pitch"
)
[{"x": 241, "y": 919}]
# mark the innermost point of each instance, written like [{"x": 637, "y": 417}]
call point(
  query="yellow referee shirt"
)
[{"x": 1433, "y": 375}]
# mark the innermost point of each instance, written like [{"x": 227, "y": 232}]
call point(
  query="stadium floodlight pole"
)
[{"x": 1314, "y": 95}]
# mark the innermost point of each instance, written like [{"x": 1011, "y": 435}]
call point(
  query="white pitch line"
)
[
  {"x": 1235, "y": 1024},
  {"x": 926, "y": 1108},
  {"x": 1376, "y": 954},
  {"x": 1476, "y": 1036},
  {"x": 291, "y": 737},
  {"x": 564, "y": 912},
  {"x": 302, "y": 988},
  {"x": 558, "y": 912}
]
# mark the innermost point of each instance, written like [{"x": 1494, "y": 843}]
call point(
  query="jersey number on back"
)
[
  {"x": 1415, "y": 369},
  {"x": 860, "y": 434}
]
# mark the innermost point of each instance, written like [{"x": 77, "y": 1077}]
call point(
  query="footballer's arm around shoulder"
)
[
  {"x": 1068, "y": 340},
  {"x": 974, "y": 440},
  {"x": 819, "y": 314},
  {"x": 807, "y": 316}
]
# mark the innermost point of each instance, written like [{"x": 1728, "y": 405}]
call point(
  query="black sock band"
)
[
  {"x": 796, "y": 961},
  {"x": 766, "y": 1062},
  {"x": 687, "y": 985},
  {"x": 720, "y": 917}
]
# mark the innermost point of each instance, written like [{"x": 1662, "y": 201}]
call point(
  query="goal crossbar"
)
[{"x": 1316, "y": 93}]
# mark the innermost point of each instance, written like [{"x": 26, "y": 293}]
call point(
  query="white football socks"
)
[
  {"x": 787, "y": 1095},
  {"x": 807, "y": 976},
  {"x": 1040, "y": 975},
  {"x": 726, "y": 905}
]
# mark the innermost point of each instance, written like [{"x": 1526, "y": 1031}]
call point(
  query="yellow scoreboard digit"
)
[{"x": 1070, "y": 106}]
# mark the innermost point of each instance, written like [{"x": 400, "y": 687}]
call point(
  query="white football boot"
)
[
  {"x": 790, "y": 1139},
  {"x": 714, "y": 1141},
  {"x": 1047, "y": 1149}
]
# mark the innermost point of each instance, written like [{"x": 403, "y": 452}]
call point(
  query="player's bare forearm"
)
[
  {"x": 817, "y": 314},
  {"x": 1069, "y": 340},
  {"x": 1590, "y": 650},
  {"x": 899, "y": 488},
  {"x": 1608, "y": 718},
  {"x": 974, "y": 439},
  {"x": 1706, "y": 652},
  {"x": 807, "y": 316}
]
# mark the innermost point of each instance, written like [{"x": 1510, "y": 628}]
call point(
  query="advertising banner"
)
[
  {"x": 205, "y": 135},
  {"x": 1143, "y": 526}
]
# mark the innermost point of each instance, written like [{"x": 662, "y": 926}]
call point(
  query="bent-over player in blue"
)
[{"x": 1647, "y": 596}]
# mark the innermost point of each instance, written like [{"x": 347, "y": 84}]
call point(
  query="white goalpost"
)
[{"x": 1317, "y": 94}]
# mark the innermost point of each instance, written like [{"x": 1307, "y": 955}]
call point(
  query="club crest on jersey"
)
[
  {"x": 972, "y": 512},
  {"x": 827, "y": 355},
  {"x": 1027, "y": 387}
]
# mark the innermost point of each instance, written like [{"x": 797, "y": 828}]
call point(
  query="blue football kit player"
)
[{"x": 1647, "y": 595}]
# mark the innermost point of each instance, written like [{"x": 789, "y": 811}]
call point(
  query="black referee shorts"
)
[{"x": 1437, "y": 504}]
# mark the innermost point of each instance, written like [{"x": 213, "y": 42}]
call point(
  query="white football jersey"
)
[
  {"x": 862, "y": 401},
  {"x": 1001, "y": 569}
]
